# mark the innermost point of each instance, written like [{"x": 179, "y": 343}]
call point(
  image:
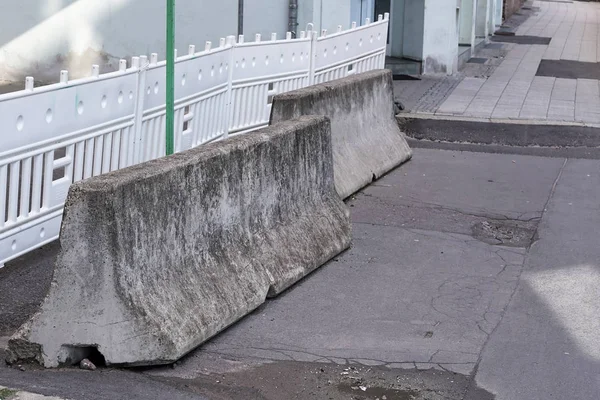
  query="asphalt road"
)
[{"x": 471, "y": 276}]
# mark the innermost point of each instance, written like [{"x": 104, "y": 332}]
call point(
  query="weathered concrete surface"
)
[
  {"x": 367, "y": 142},
  {"x": 499, "y": 132},
  {"x": 548, "y": 344},
  {"x": 418, "y": 290},
  {"x": 157, "y": 258},
  {"x": 565, "y": 152}
]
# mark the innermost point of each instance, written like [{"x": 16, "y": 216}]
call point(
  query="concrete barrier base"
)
[
  {"x": 157, "y": 258},
  {"x": 366, "y": 139}
]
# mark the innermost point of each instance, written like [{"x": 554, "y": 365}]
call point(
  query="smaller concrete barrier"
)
[
  {"x": 365, "y": 136},
  {"x": 159, "y": 257}
]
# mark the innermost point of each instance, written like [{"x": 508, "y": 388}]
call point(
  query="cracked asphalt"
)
[{"x": 471, "y": 276}]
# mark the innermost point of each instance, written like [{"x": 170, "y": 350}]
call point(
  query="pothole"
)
[{"x": 510, "y": 233}]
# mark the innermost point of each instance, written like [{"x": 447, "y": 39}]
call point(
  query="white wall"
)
[
  {"x": 265, "y": 17},
  {"x": 40, "y": 37},
  {"x": 440, "y": 37}
]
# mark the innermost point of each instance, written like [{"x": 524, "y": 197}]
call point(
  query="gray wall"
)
[
  {"x": 467, "y": 18},
  {"x": 265, "y": 17},
  {"x": 414, "y": 26},
  {"x": 362, "y": 9},
  {"x": 397, "y": 29},
  {"x": 325, "y": 14},
  {"x": 481, "y": 19}
]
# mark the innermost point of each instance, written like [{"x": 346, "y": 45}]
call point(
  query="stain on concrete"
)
[{"x": 433, "y": 66}]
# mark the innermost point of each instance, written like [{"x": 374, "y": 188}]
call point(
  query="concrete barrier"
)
[
  {"x": 366, "y": 139},
  {"x": 157, "y": 258}
]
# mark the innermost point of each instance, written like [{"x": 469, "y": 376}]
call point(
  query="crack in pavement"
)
[
  {"x": 414, "y": 202},
  {"x": 347, "y": 360},
  {"x": 473, "y": 383}
]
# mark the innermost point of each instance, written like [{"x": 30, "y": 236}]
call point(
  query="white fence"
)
[{"x": 58, "y": 134}]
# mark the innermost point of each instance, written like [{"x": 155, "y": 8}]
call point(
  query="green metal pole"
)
[{"x": 170, "y": 75}]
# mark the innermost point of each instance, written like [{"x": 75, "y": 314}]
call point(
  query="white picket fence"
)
[{"x": 55, "y": 135}]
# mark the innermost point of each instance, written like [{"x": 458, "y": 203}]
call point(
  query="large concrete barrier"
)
[
  {"x": 157, "y": 258},
  {"x": 367, "y": 142}
]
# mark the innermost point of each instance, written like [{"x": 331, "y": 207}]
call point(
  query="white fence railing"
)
[{"x": 58, "y": 134}]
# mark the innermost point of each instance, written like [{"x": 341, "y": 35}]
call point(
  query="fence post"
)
[
  {"x": 229, "y": 94},
  {"x": 141, "y": 64},
  {"x": 313, "y": 53},
  {"x": 386, "y": 18}
]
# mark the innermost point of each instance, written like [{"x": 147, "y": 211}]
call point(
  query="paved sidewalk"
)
[{"x": 514, "y": 92}]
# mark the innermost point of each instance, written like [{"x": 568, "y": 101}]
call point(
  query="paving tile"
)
[
  {"x": 561, "y": 110},
  {"x": 589, "y": 117},
  {"x": 506, "y": 111},
  {"x": 562, "y": 104},
  {"x": 492, "y": 90},
  {"x": 588, "y": 51},
  {"x": 514, "y": 91},
  {"x": 588, "y": 103},
  {"x": 587, "y": 90},
  {"x": 482, "y": 107},
  {"x": 533, "y": 112},
  {"x": 543, "y": 82},
  {"x": 512, "y": 99},
  {"x": 560, "y": 117},
  {"x": 451, "y": 107},
  {"x": 564, "y": 89},
  {"x": 553, "y": 53}
]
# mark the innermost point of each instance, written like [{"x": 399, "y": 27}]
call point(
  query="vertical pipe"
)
[
  {"x": 240, "y": 17},
  {"x": 293, "y": 17},
  {"x": 170, "y": 76}
]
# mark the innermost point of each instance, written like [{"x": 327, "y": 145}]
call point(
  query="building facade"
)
[
  {"x": 433, "y": 36},
  {"x": 426, "y": 36}
]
